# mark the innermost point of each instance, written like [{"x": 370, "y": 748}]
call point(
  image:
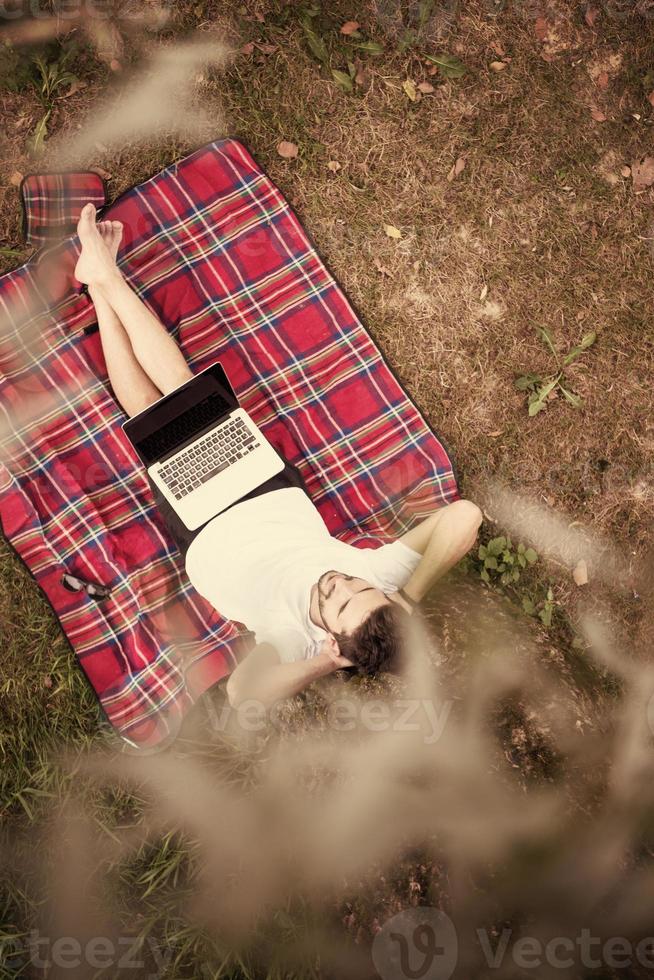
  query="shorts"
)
[{"x": 290, "y": 476}]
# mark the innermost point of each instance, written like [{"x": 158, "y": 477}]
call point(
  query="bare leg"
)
[
  {"x": 131, "y": 385},
  {"x": 154, "y": 348}
]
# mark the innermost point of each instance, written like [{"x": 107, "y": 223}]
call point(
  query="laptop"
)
[{"x": 200, "y": 448}]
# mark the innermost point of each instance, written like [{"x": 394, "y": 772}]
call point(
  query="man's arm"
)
[
  {"x": 262, "y": 677},
  {"x": 442, "y": 539}
]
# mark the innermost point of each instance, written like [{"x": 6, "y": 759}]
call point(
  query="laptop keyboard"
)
[{"x": 208, "y": 456}]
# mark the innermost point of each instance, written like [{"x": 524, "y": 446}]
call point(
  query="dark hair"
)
[{"x": 377, "y": 644}]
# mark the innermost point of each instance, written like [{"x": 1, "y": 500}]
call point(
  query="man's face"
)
[{"x": 345, "y": 601}]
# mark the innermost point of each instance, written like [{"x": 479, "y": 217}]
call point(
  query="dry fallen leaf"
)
[
  {"x": 484, "y": 292},
  {"x": 602, "y": 80},
  {"x": 349, "y": 26},
  {"x": 591, "y": 16},
  {"x": 541, "y": 28},
  {"x": 266, "y": 48},
  {"x": 382, "y": 268},
  {"x": 247, "y": 48},
  {"x": 333, "y": 165},
  {"x": 650, "y": 98},
  {"x": 410, "y": 89},
  {"x": 496, "y": 434},
  {"x": 392, "y": 231},
  {"x": 580, "y": 572},
  {"x": 597, "y": 114},
  {"x": 457, "y": 168},
  {"x": 626, "y": 171},
  {"x": 15, "y": 178},
  {"x": 426, "y": 87},
  {"x": 74, "y": 87},
  {"x": 287, "y": 150},
  {"x": 498, "y": 65},
  {"x": 432, "y": 70},
  {"x": 47, "y": 681},
  {"x": 497, "y": 48},
  {"x": 642, "y": 172},
  {"x": 362, "y": 77}
]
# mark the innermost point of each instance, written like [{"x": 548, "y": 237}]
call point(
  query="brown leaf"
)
[
  {"x": 15, "y": 178},
  {"x": 333, "y": 165},
  {"x": 541, "y": 28},
  {"x": 247, "y": 48},
  {"x": 597, "y": 114},
  {"x": 650, "y": 98},
  {"x": 626, "y": 171},
  {"x": 642, "y": 172},
  {"x": 602, "y": 80},
  {"x": 362, "y": 77},
  {"x": 74, "y": 87},
  {"x": 457, "y": 168},
  {"x": 496, "y": 434},
  {"x": 266, "y": 48},
  {"x": 580, "y": 572},
  {"x": 287, "y": 150},
  {"x": 426, "y": 87},
  {"x": 498, "y": 65},
  {"x": 349, "y": 27},
  {"x": 47, "y": 681},
  {"x": 382, "y": 268},
  {"x": 591, "y": 16},
  {"x": 432, "y": 70},
  {"x": 497, "y": 48}
]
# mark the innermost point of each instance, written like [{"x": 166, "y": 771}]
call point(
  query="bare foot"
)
[{"x": 97, "y": 262}]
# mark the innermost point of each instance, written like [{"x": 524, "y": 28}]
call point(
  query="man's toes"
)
[{"x": 86, "y": 223}]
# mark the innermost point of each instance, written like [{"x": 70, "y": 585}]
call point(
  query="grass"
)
[{"x": 568, "y": 249}]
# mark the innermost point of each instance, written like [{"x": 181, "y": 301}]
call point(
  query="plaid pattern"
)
[
  {"x": 216, "y": 252},
  {"x": 52, "y": 203}
]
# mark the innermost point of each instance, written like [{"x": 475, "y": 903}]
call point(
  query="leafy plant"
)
[
  {"x": 543, "y": 609},
  {"x": 52, "y": 76},
  {"x": 448, "y": 65},
  {"x": 540, "y": 387},
  {"x": 314, "y": 40},
  {"x": 500, "y": 562}
]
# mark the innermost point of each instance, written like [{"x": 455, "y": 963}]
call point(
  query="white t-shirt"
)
[{"x": 256, "y": 563}]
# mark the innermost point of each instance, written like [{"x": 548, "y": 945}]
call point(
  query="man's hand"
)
[{"x": 336, "y": 658}]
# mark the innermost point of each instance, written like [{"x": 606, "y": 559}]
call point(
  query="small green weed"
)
[
  {"x": 52, "y": 76},
  {"x": 540, "y": 387},
  {"x": 500, "y": 564}
]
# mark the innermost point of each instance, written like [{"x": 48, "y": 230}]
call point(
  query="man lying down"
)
[{"x": 314, "y": 603}]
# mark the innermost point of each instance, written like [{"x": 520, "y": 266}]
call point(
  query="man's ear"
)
[{"x": 330, "y": 646}]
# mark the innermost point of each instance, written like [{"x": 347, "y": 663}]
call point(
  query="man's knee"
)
[{"x": 469, "y": 514}]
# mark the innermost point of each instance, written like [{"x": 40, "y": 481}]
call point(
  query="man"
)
[{"x": 314, "y": 603}]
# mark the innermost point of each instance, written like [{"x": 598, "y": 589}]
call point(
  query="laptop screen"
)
[{"x": 181, "y": 416}]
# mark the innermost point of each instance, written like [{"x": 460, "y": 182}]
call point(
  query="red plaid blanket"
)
[
  {"x": 52, "y": 203},
  {"x": 214, "y": 249}
]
